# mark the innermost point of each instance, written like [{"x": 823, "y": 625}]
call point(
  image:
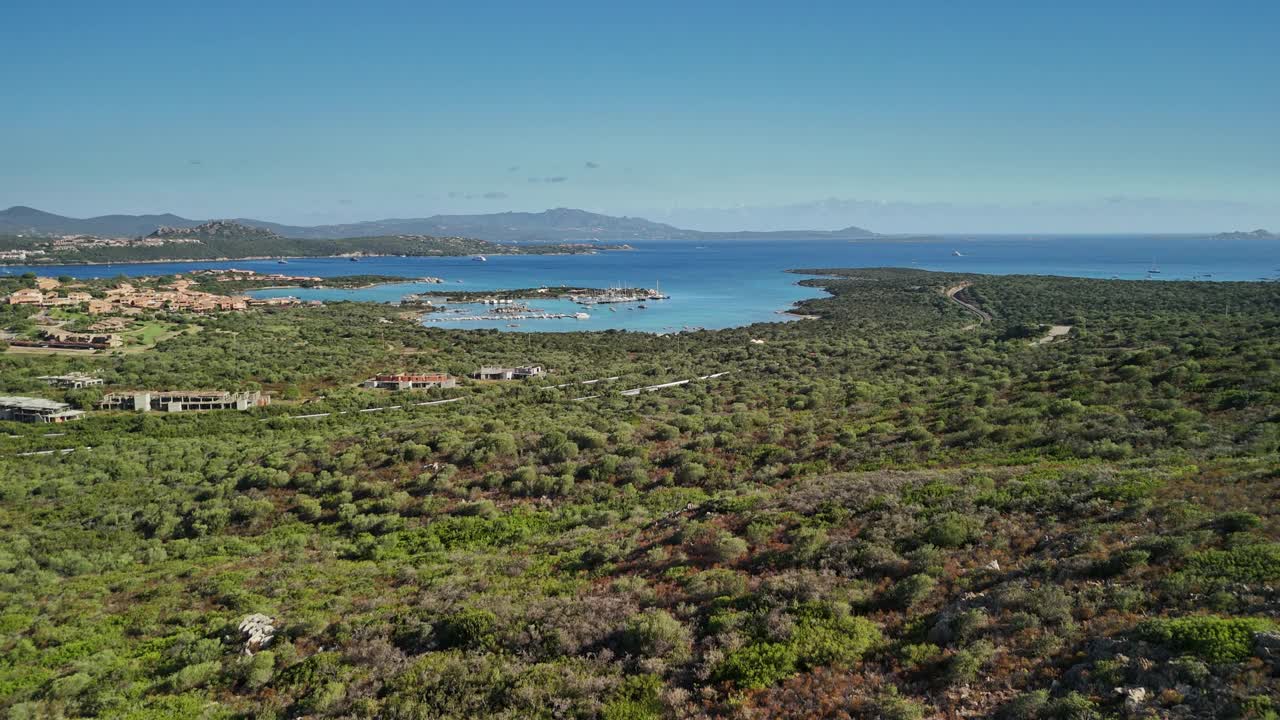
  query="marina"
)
[{"x": 532, "y": 315}]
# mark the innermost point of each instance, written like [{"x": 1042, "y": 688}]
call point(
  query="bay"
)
[{"x": 727, "y": 283}]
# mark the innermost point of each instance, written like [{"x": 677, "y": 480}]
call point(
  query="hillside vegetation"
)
[{"x": 899, "y": 510}]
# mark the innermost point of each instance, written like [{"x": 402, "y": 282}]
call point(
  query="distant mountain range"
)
[
  {"x": 1250, "y": 235},
  {"x": 558, "y": 225}
]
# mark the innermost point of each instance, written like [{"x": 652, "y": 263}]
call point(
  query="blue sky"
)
[{"x": 902, "y": 117}]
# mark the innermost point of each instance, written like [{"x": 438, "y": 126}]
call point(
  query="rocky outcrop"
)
[
  {"x": 257, "y": 631},
  {"x": 214, "y": 230}
]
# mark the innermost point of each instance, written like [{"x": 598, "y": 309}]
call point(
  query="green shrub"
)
[
  {"x": 471, "y": 629},
  {"x": 655, "y": 633},
  {"x": 1234, "y": 522},
  {"x": 892, "y": 706},
  {"x": 1128, "y": 489},
  {"x": 637, "y": 699},
  {"x": 1211, "y": 638},
  {"x": 194, "y": 676},
  {"x": 912, "y": 590},
  {"x": 833, "y": 640},
  {"x": 918, "y": 656},
  {"x": 757, "y": 666},
  {"x": 1244, "y": 564},
  {"x": 259, "y": 669},
  {"x": 949, "y": 531}
]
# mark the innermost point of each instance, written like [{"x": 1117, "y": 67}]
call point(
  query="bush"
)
[
  {"x": 194, "y": 676},
  {"x": 655, "y": 633},
  {"x": 949, "y": 531},
  {"x": 259, "y": 670},
  {"x": 757, "y": 666},
  {"x": 1244, "y": 564},
  {"x": 727, "y": 547},
  {"x": 1234, "y": 522},
  {"x": 892, "y": 706},
  {"x": 471, "y": 629},
  {"x": 833, "y": 640},
  {"x": 637, "y": 699},
  {"x": 912, "y": 590},
  {"x": 1213, "y": 639}
]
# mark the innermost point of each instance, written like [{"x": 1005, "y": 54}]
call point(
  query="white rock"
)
[
  {"x": 1134, "y": 699},
  {"x": 257, "y": 630}
]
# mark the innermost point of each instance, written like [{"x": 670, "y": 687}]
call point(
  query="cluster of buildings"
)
[
  {"x": 83, "y": 242},
  {"x": 183, "y": 400},
  {"x": 72, "y": 381},
  {"x": 45, "y": 294},
  {"x": 231, "y": 274},
  {"x": 20, "y": 255},
  {"x": 427, "y": 381},
  {"x": 178, "y": 296},
  {"x": 127, "y": 299},
  {"x": 41, "y": 410}
]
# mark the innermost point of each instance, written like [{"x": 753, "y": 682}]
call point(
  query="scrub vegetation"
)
[{"x": 888, "y": 512}]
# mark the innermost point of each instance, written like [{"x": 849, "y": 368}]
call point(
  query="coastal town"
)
[
  {"x": 128, "y": 298},
  {"x": 93, "y": 315}
]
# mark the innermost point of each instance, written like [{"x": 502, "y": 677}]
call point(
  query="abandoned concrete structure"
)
[{"x": 183, "y": 400}]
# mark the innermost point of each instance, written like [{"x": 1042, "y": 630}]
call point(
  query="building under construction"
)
[
  {"x": 410, "y": 381},
  {"x": 183, "y": 400},
  {"x": 36, "y": 410}
]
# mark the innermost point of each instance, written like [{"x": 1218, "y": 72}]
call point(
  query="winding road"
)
[{"x": 951, "y": 292}]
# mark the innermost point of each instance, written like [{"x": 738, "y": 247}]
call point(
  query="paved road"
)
[{"x": 983, "y": 316}]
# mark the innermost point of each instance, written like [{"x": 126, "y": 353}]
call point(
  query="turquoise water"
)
[{"x": 727, "y": 283}]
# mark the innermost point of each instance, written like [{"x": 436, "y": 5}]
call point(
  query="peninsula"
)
[{"x": 231, "y": 240}]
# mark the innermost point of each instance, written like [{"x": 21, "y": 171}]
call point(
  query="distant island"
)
[
  {"x": 556, "y": 225},
  {"x": 1247, "y": 235}
]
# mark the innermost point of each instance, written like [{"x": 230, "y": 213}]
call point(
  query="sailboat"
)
[{"x": 1154, "y": 270}]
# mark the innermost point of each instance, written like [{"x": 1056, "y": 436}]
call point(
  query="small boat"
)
[
  {"x": 613, "y": 309},
  {"x": 354, "y": 259},
  {"x": 957, "y": 253},
  {"x": 282, "y": 261},
  {"x": 640, "y": 307},
  {"x": 480, "y": 258},
  {"x": 581, "y": 316}
]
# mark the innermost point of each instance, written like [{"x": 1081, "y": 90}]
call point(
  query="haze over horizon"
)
[{"x": 931, "y": 119}]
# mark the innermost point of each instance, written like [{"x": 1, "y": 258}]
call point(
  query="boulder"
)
[{"x": 257, "y": 631}]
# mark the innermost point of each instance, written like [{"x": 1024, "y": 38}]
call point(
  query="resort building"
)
[
  {"x": 73, "y": 381},
  {"x": 509, "y": 373},
  {"x": 183, "y": 400},
  {"x": 95, "y": 339},
  {"x": 407, "y": 381},
  {"x": 64, "y": 340},
  {"x": 36, "y": 410},
  {"x": 26, "y": 296}
]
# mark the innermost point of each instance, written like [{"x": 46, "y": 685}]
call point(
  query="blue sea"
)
[{"x": 726, "y": 283}]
